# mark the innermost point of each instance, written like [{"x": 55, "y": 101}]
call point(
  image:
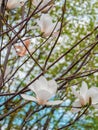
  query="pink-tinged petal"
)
[
  {"x": 76, "y": 106},
  {"x": 29, "y": 98},
  {"x": 83, "y": 101},
  {"x": 84, "y": 89},
  {"x": 41, "y": 102},
  {"x": 21, "y": 50},
  {"x": 51, "y": 103}
]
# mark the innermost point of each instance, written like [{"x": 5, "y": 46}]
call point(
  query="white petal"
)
[
  {"x": 95, "y": 106},
  {"x": 27, "y": 97},
  {"x": 54, "y": 102},
  {"x": 44, "y": 89},
  {"x": 84, "y": 89},
  {"x": 47, "y": 26},
  {"x": 76, "y": 106},
  {"x": 39, "y": 84},
  {"x": 94, "y": 98},
  {"x": 44, "y": 94},
  {"x": 74, "y": 91},
  {"x": 75, "y": 110},
  {"x": 43, "y": 82},
  {"x": 43, "y": 25},
  {"x": 35, "y": 2},
  {"x": 76, "y": 103},
  {"x": 52, "y": 86},
  {"x": 33, "y": 88},
  {"x": 92, "y": 91},
  {"x": 83, "y": 100},
  {"x": 45, "y": 21}
]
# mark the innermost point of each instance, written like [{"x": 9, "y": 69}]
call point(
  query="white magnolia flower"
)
[
  {"x": 47, "y": 26},
  {"x": 11, "y": 4},
  {"x": 43, "y": 4},
  {"x": 44, "y": 90},
  {"x": 84, "y": 96}
]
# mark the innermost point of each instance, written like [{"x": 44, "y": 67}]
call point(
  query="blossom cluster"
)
[
  {"x": 45, "y": 22},
  {"x": 43, "y": 89},
  {"x": 85, "y": 96}
]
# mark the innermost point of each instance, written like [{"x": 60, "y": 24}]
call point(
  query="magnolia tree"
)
[{"x": 48, "y": 64}]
